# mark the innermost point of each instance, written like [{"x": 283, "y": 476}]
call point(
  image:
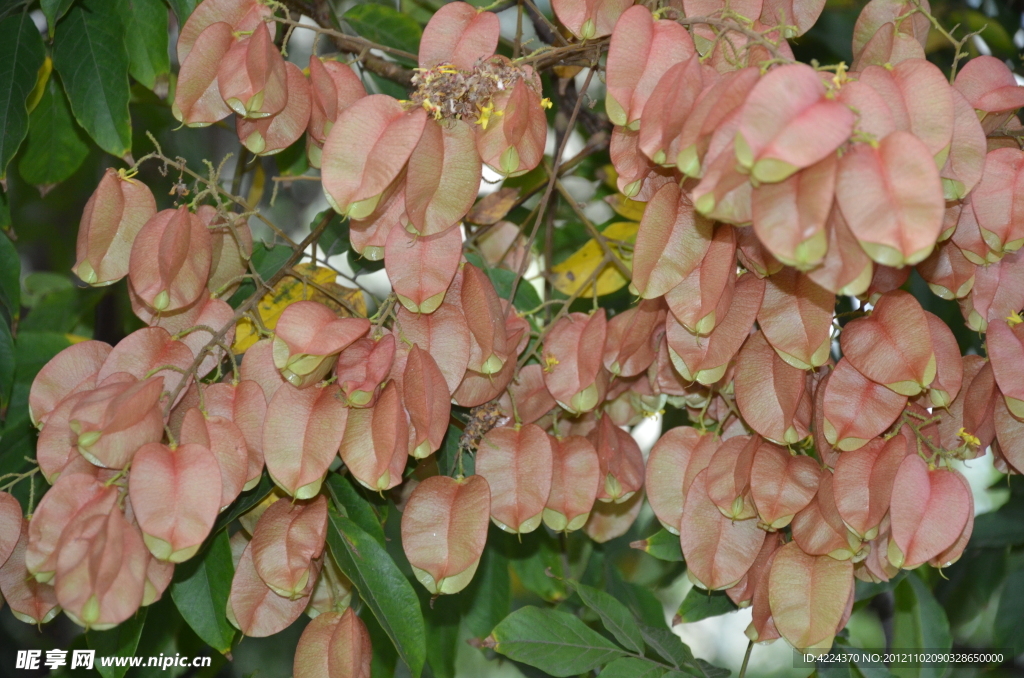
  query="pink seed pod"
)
[
  {"x": 366, "y": 150},
  {"x": 308, "y": 338},
  {"x": 197, "y": 100},
  {"x": 241, "y": 15},
  {"x": 146, "y": 353},
  {"x": 334, "y": 86},
  {"x": 589, "y": 19},
  {"x": 513, "y": 143},
  {"x": 273, "y": 134},
  {"x": 287, "y": 539},
  {"x": 517, "y": 465},
  {"x": 252, "y": 77},
  {"x": 29, "y": 600},
  {"x": 227, "y": 446},
  {"x": 421, "y": 267},
  {"x": 301, "y": 436},
  {"x": 622, "y": 463},
  {"x": 74, "y": 494},
  {"x": 170, "y": 260},
  {"x": 573, "y": 359},
  {"x": 254, "y": 608},
  {"x": 444, "y": 531},
  {"x": 460, "y": 35},
  {"x": 101, "y": 570},
  {"x": 334, "y": 645},
  {"x": 575, "y": 482},
  {"x": 176, "y": 495},
  {"x": 426, "y": 399},
  {"x": 71, "y": 371},
  {"x": 245, "y": 405},
  {"x": 113, "y": 421},
  {"x": 675, "y": 460},
  {"x": 363, "y": 367},
  {"x": 115, "y": 213},
  {"x": 927, "y": 513},
  {"x": 808, "y": 596},
  {"x": 376, "y": 443},
  {"x": 443, "y": 177}
]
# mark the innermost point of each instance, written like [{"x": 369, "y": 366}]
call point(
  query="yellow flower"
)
[
  {"x": 549, "y": 363},
  {"x": 968, "y": 438},
  {"x": 485, "y": 114},
  {"x": 545, "y": 103},
  {"x": 1014, "y": 319}
]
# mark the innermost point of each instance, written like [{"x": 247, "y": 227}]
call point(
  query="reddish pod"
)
[
  {"x": 252, "y": 78},
  {"x": 301, "y": 436},
  {"x": 375, "y": 446},
  {"x": 856, "y": 409},
  {"x": 670, "y": 243},
  {"x": 445, "y": 334},
  {"x": 444, "y": 531},
  {"x": 808, "y": 596},
  {"x": 572, "y": 359},
  {"x": 287, "y": 539},
  {"x": 71, "y": 371},
  {"x": 334, "y": 645},
  {"x": 998, "y": 291},
  {"x": 997, "y": 202},
  {"x": 630, "y": 343},
  {"x": 718, "y": 551},
  {"x": 770, "y": 393},
  {"x": 675, "y": 460},
  {"x": 197, "y": 99},
  {"x": 334, "y": 86},
  {"x": 421, "y": 267},
  {"x": 641, "y": 50},
  {"x": 819, "y": 529},
  {"x": 622, "y": 463},
  {"x": 179, "y": 245},
  {"x": 443, "y": 177},
  {"x": 366, "y": 149},
  {"x": 527, "y": 396},
  {"x": 589, "y": 19},
  {"x": 864, "y": 482},
  {"x": 114, "y": 215},
  {"x": 254, "y": 608},
  {"x": 702, "y": 298},
  {"x": 927, "y": 514},
  {"x": 781, "y": 484},
  {"x": 176, "y": 495},
  {"x": 459, "y": 35},
  {"x": 788, "y": 123},
  {"x": 1006, "y": 349},
  {"x": 512, "y": 144},
  {"x": 307, "y": 339},
  {"x": 517, "y": 465},
  {"x": 29, "y": 600},
  {"x": 796, "y": 319},
  {"x": 426, "y": 399},
  {"x": 226, "y": 443},
  {"x": 990, "y": 88},
  {"x": 363, "y": 367},
  {"x": 274, "y": 133},
  {"x": 575, "y": 482},
  {"x": 113, "y": 421}
]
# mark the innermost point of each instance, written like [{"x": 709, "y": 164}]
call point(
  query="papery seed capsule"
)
[
  {"x": 863, "y": 483},
  {"x": 675, "y": 460},
  {"x": 990, "y": 88},
  {"x": 517, "y": 465},
  {"x": 444, "y": 531},
  {"x": 150, "y": 353},
  {"x": 308, "y": 338},
  {"x": 363, "y": 367},
  {"x": 334, "y": 645},
  {"x": 575, "y": 482},
  {"x": 115, "y": 213},
  {"x": 273, "y": 134},
  {"x": 71, "y": 371},
  {"x": 426, "y": 399},
  {"x": 101, "y": 570},
  {"x": 334, "y": 87},
  {"x": 301, "y": 437},
  {"x": 443, "y": 177},
  {"x": 197, "y": 100},
  {"x": 375, "y": 446},
  {"x": 252, "y": 77},
  {"x": 781, "y": 484},
  {"x": 170, "y": 260},
  {"x": 927, "y": 514},
  {"x": 226, "y": 443},
  {"x": 808, "y": 596},
  {"x": 254, "y": 608},
  {"x": 421, "y": 268},
  {"x": 460, "y": 35},
  {"x": 288, "y": 537},
  {"x": 771, "y": 394},
  {"x": 111, "y": 422},
  {"x": 513, "y": 143},
  {"x": 622, "y": 463},
  {"x": 572, "y": 359},
  {"x": 29, "y": 600},
  {"x": 176, "y": 495}
]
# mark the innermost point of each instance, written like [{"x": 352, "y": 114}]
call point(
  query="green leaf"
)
[
  {"x": 532, "y": 559},
  {"x": 62, "y": 310},
  {"x": 864, "y": 590},
  {"x": 385, "y": 659},
  {"x": 663, "y": 545},
  {"x": 183, "y": 9},
  {"x": 200, "y": 591},
  {"x": 1001, "y": 528},
  {"x": 1009, "y": 625},
  {"x": 385, "y": 26},
  {"x": 488, "y": 598},
  {"x": 6, "y": 364},
  {"x": 10, "y": 286},
  {"x": 631, "y": 667},
  {"x": 89, "y": 53},
  {"x": 53, "y": 10},
  {"x": 21, "y": 56},
  {"x": 244, "y": 502},
  {"x": 335, "y": 237},
  {"x": 442, "y": 616},
  {"x": 615, "y": 616},
  {"x": 553, "y": 641},
  {"x": 347, "y": 498},
  {"x": 145, "y": 36},
  {"x": 32, "y": 350},
  {"x": 268, "y": 261},
  {"x": 120, "y": 641},
  {"x": 668, "y": 646},
  {"x": 56, "y": 145},
  {"x": 381, "y": 585},
  {"x": 919, "y": 622},
  {"x": 699, "y": 604},
  {"x": 971, "y": 582}
]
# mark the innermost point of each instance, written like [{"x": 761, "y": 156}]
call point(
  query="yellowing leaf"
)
[
  {"x": 611, "y": 176},
  {"x": 75, "y": 338},
  {"x": 626, "y": 208},
  {"x": 572, "y": 274},
  {"x": 313, "y": 283},
  {"x": 259, "y": 181},
  {"x": 41, "y": 79}
]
